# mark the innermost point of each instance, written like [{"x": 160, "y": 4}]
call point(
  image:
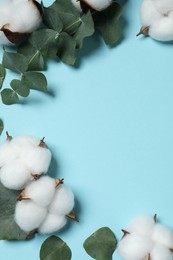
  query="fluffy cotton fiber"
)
[
  {"x": 21, "y": 158},
  {"x": 18, "y": 16},
  {"x": 52, "y": 223},
  {"x": 38, "y": 159},
  {"x": 7, "y": 153},
  {"x": 146, "y": 239},
  {"x": 63, "y": 201},
  {"x": 134, "y": 247},
  {"x": 162, "y": 235},
  {"x": 160, "y": 252},
  {"x": 15, "y": 175},
  {"x": 98, "y": 5},
  {"x": 28, "y": 215},
  {"x": 157, "y": 17},
  {"x": 41, "y": 191}
]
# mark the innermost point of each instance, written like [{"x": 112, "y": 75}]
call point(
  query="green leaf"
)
[
  {"x": 1, "y": 126},
  {"x": 101, "y": 244},
  {"x": 15, "y": 61},
  {"x": 45, "y": 41},
  {"x": 68, "y": 14},
  {"x": 66, "y": 49},
  {"x": 34, "y": 57},
  {"x": 54, "y": 248},
  {"x": 34, "y": 80},
  {"x": 20, "y": 88},
  {"x": 9, "y": 230},
  {"x": 9, "y": 96},
  {"x": 52, "y": 20},
  {"x": 107, "y": 23},
  {"x": 2, "y": 75},
  {"x": 86, "y": 29}
]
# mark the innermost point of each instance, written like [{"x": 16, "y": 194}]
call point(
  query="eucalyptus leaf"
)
[
  {"x": 1, "y": 126},
  {"x": 34, "y": 57},
  {"x": 66, "y": 49},
  {"x": 2, "y": 75},
  {"x": 101, "y": 244},
  {"x": 15, "y": 61},
  {"x": 86, "y": 29},
  {"x": 67, "y": 13},
  {"x": 9, "y": 96},
  {"x": 34, "y": 80},
  {"x": 107, "y": 23},
  {"x": 54, "y": 248},
  {"x": 20, "y": 88},
  {"x": 45, "y": 42},
  {"x": 52, "y": 20},
  {"x": 9, "y": 230}
]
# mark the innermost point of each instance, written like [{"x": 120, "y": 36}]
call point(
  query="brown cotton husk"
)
[
  {"x": 42, "y": 143},
  {"x": 125, "y": 233},
  {"x": 58, "y": 182},
  {"x": 14, "y": 37},
  {"x": 22, "y": 196},
  {"x": 9, "y": 137},
  {"x": 72, "y": 216},
  {"x": 143, "y": 31}
]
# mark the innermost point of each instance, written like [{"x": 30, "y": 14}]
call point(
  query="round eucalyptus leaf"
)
[
  {"x": 101, "y": 244},
  {"x": 20, "y": 88},
  {"x": 9, "y": 96},
  {"x": 55, "y": 248}
]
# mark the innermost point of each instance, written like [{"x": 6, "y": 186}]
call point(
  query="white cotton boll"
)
[
  {"x": 38, "y": 159},
  {"x": 76, "y": 4},
  {"x": 15, "y": 175},
  {"x": 28, "y": 215},
  {"x": 7, "y": 153},
  {"x": 163, "y": 235},
  {"x": 98, "y": 5},
  {"x": 5, "y": 11},
  {"x": 41, "y": 191},
  {"x": 134, "y": 247},
  {"x": 52, "y": 223},
  {"x": 63, "y": 201},
  {"x": 160, "y": 252},
  {"x": 164, "y": 6},
  {"x": 22, "y": 144},
  {"x": 149, "y": 13},
  {"x": 162, "y": 30},
  {"x": 25, "y": 17},
  {"x": 142, "y": 225}
]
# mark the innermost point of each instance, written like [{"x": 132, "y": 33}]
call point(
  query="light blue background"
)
[{"x": 109, "y": 124}]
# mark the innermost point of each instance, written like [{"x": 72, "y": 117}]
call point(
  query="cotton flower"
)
[
  {"x": 52, "y": 223},
  {"x": 28, "y": 215},
  {"x": 142, "y": 225},
  {"x": 63, "y": 201},
  {"x": 33, "y": 152},
  {"x": 18, "y": 16},
  {"x": 6, "y": 153},
  {"x": 15, "y": 175},
  {"x": 160, "y": 252},
  {"x": 98, "y": 5},
  {"x": 134, "y": 247},
  {"x": 157, "y": 19},
  {"x": 162, "y": 235},
  {"x": 41, "y": 191},
  {"x": 23, "y": 159},
  {"x": 145, "y": 239}
]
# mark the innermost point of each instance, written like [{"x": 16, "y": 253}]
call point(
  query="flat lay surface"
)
[{"x": 109, "y": 124}]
